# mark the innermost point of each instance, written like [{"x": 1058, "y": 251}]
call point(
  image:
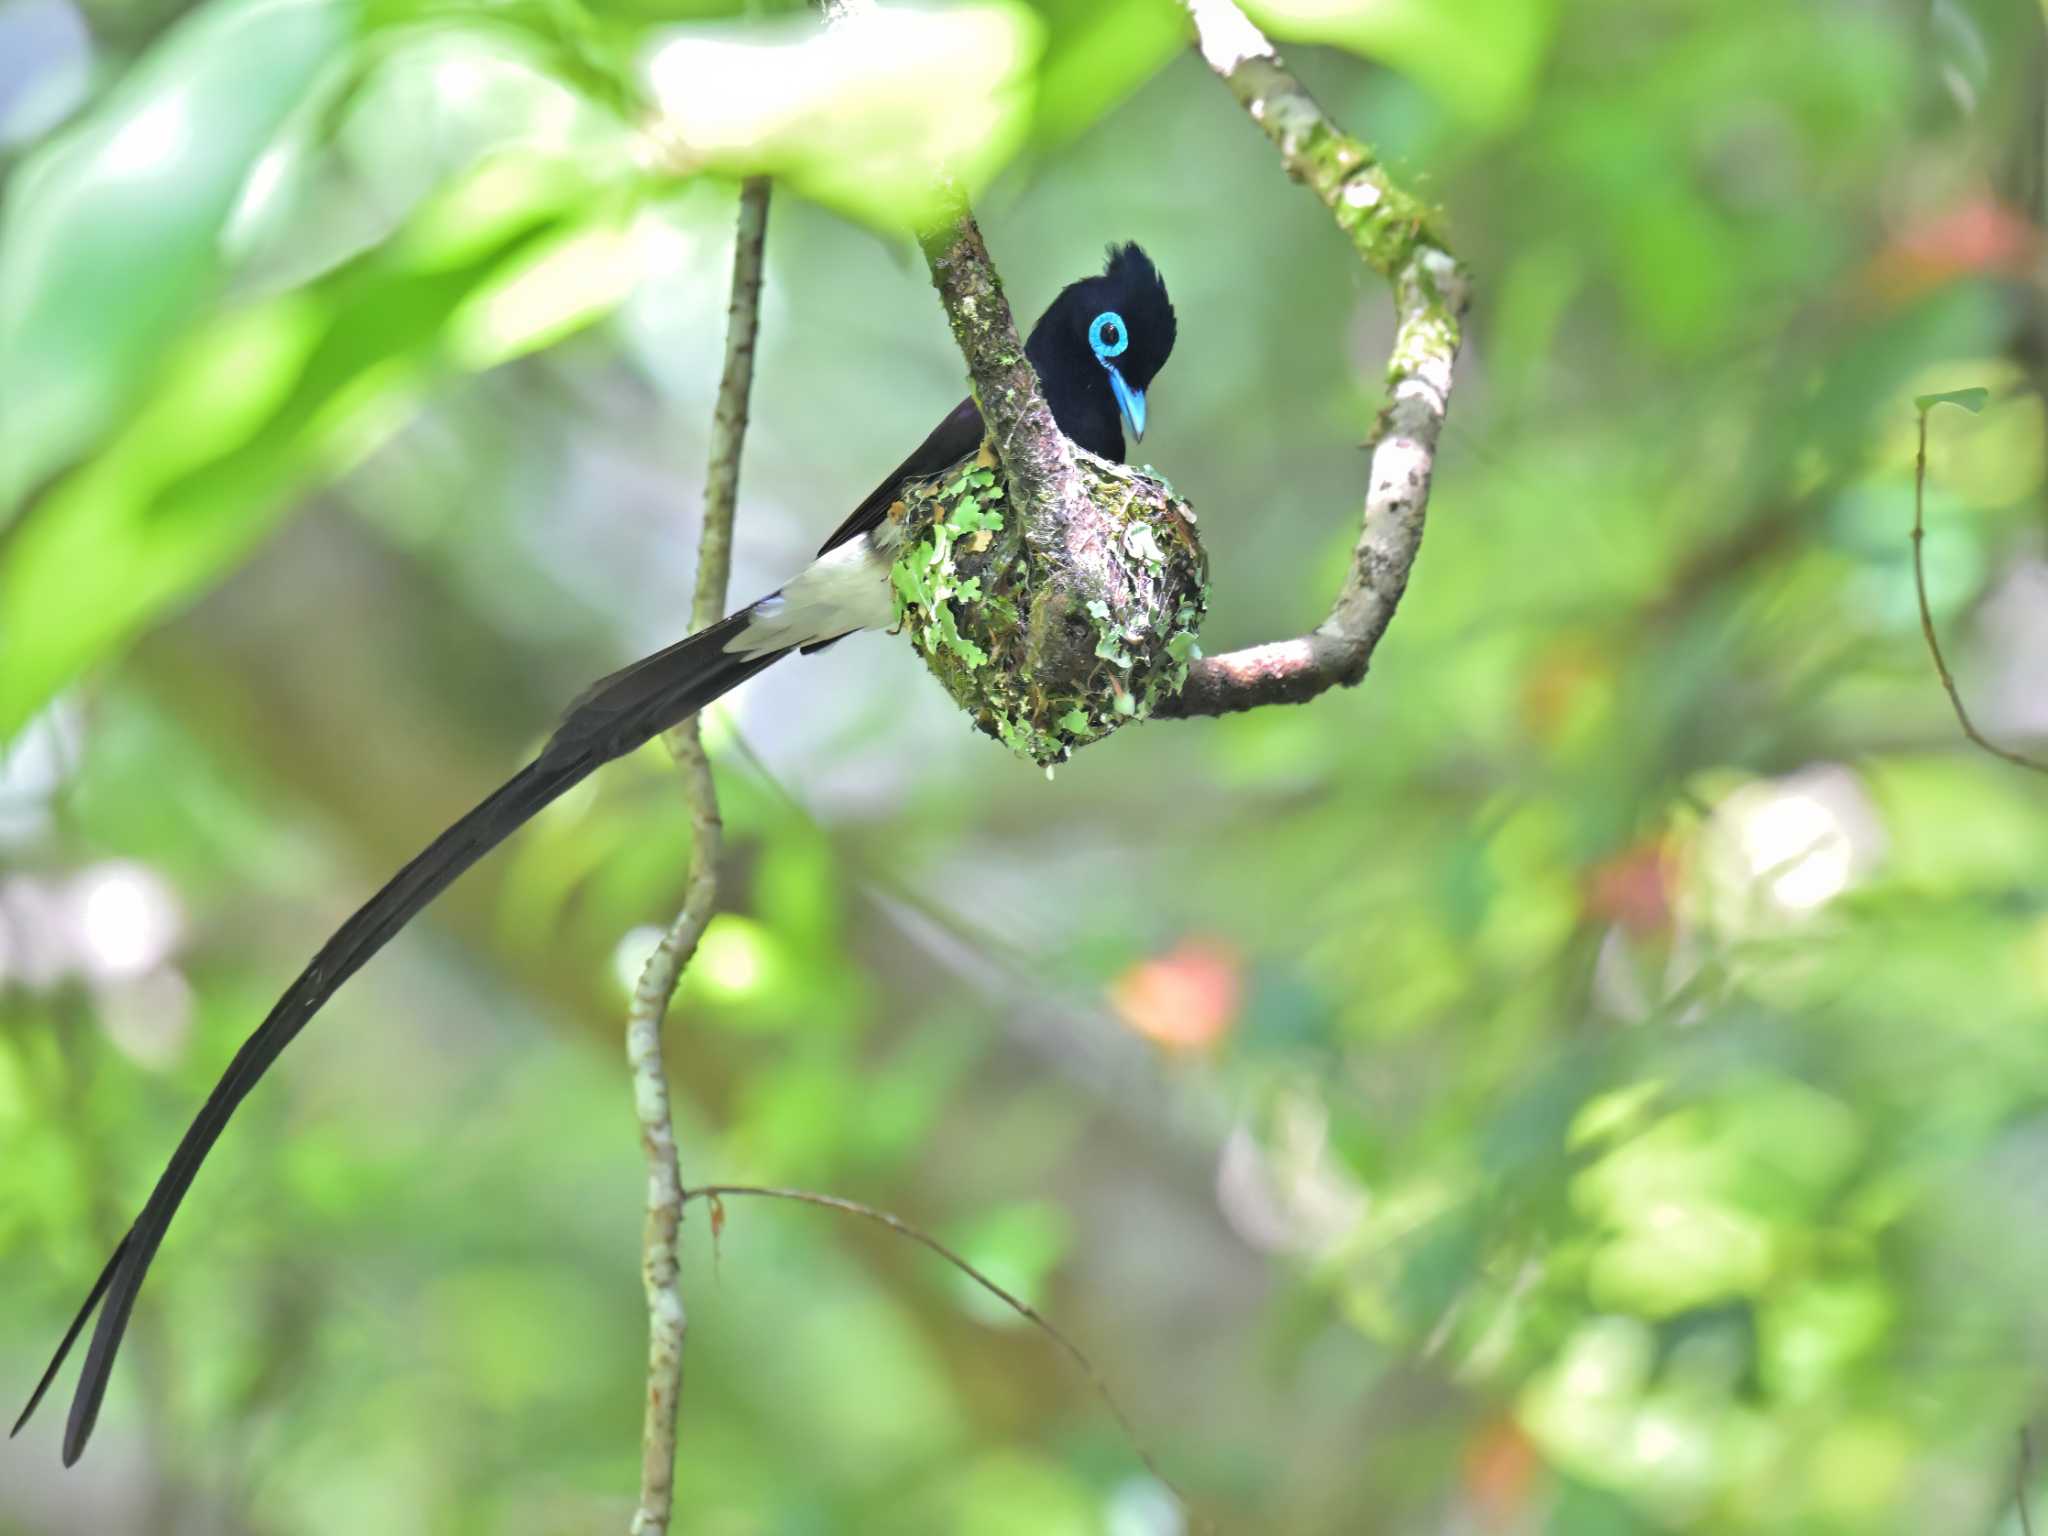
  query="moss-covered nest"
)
[{"x": 1050, "y": 648}]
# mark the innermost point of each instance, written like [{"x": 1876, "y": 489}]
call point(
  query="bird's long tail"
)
[{"x": 611, "y": 718}]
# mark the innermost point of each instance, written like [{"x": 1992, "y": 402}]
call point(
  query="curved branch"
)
[
  {"x": 717, "y": 1192},
  {"x": 1393, "y": 234},
  {"x": 667, "y": 1319},
  {"x": 1927, "y": 630}
]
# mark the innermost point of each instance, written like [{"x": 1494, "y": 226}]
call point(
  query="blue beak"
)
[{"x": 1130, "y": 401}]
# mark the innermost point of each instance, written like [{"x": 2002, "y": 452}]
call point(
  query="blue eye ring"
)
[{"x": 1109, "y": 321}]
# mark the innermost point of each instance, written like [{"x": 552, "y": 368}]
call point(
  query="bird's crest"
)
[{"x": 1132, "y": 286}]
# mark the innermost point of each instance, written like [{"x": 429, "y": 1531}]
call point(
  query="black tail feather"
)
[
  {"x": 99, "y": 1289},
  {"x": 611, "y": 718}
]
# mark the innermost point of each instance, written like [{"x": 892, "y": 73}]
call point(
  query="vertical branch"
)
[
  {"x": 667, "y": 1319},
  {"x": 2025, "y": 1476},
  {"x": 1038, "y": 459},
  {"x": 1046, "y": 491}
]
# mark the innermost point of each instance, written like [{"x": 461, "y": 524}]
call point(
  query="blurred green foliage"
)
[{"x": 1589, "y": 1079}]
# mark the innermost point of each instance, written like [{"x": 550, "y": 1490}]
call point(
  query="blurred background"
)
[{"x": 1593, "y": 1078}]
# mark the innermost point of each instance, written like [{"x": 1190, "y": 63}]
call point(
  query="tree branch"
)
[
  {"x": 1046, "y": 489},
  {"x": 667, "y": 1319},
  {"x": 1927, "y": 630},
  {"x": 1392, "y": 233}
]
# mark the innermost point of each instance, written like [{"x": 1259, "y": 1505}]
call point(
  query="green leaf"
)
[
  {"x": 1097, "y": 53},
  {"x": 957, "y": 643},
  {"x": 558, "y": 288},
  {"x": 855, "y": 116},
  {"x": 248, "y": 411},
  {"x": 112, "y": 232},
  {"x": 1482, "y": 58},
  {"x": 911, "y": 575},
  {"x": 1971, "y": 400}
]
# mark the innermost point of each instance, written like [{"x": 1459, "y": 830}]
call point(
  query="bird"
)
[{"x": 1096, "y": 349}]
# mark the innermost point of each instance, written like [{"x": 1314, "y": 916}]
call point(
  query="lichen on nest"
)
[{"x": 1050, "y": 648}]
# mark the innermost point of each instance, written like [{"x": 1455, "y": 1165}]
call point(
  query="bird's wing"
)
[
  {"x": 950, "y": 441},
  {"x": 610, "y": 719}
]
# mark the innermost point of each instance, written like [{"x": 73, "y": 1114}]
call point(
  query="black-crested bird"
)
[{"x": 1096, "y": 349}]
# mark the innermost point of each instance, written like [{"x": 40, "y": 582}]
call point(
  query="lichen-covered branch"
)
[
  {"x": 667, "y": 1319},
  {"x": 1038, "y": 461},
  {"x": 1393, "y": 234}
]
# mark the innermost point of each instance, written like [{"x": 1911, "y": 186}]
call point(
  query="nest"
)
[{"x": 1051, "y": 648}]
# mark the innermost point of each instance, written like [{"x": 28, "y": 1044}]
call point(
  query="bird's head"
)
[{"x": 1098, "y": 347}]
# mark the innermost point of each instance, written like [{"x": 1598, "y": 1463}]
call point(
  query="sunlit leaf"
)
[
  {"x": 857, "y": 116},
  {"x": 1480, "y": 56},
  {"x": 112, "y": 233},
  {"x": 251, "y": 408},
  {"x": 559, "y": 288},
  {"x": 1096, "y": 53}
]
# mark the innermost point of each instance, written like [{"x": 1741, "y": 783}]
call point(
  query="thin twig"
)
[
  {"x": 2025, "y": 1478},
  {"x": 1948, "y": 682},
  {"x": 1392, "y": 233},
  {"x": 1017, "y": 1304},
  {"x": 667, "y": 1320}
]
